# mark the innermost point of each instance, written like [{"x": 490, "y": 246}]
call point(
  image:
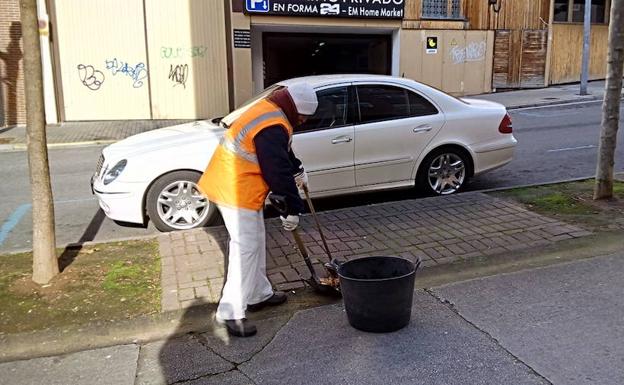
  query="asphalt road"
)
[{"x": 555, "y": 143}]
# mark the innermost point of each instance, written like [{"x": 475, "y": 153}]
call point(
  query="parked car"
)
[{"x": 369, "y": 133}]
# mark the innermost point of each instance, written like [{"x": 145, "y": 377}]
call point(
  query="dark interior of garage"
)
[{"x": 289, "y": 55}]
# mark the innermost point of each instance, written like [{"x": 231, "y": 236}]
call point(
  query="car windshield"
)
[{"x": 227, "y": 120}]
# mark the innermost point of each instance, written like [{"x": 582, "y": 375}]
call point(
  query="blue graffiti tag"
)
[{"x": 138, "y": 73}]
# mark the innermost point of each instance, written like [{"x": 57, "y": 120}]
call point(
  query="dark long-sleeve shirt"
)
[{"x": 278, "y": 165}]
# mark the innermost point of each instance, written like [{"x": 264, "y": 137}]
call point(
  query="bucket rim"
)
[{"x": 413, "y": 272}]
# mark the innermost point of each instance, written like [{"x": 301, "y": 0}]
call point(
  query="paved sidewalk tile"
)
[
  {"x": 77, "y": 132},
  {"x": 439, "y": 230}
]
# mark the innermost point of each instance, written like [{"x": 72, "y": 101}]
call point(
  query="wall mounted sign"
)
[
  {"x": 242, "y": 38},
  {"x": 431, "y": 45},
  {"x": 377, "y": 9}
]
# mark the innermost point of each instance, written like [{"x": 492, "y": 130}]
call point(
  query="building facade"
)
[
  {"x": 193, "y": 59},
  {"x": 12, "y": 103}
]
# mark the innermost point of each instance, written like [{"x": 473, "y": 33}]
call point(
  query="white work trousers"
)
[{"x": 246, "y": 281}]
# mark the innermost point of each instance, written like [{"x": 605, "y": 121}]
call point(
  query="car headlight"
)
[{"x": 114, "y": 172}]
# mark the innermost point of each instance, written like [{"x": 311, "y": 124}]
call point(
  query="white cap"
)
[{"x": 304, "y": 97}]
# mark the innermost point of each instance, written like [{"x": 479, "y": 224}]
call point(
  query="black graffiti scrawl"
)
[
  {"x": 90, "y": 77},
  {"x": 178, "y": 74}
]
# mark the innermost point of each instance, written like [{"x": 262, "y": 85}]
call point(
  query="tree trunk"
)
[
  {"x": 45, "y": 261},
  {"x": 611, "y": 105}
]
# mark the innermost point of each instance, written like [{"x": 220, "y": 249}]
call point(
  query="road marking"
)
[
  {"x": 17, "y": 215},
  {"x": 13, "y": 220},
  {"x": 573, "y": 148}
]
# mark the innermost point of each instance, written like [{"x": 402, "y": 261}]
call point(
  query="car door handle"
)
[
  {"x": 341, "y": 139},
  {"x": 422, "y": 128}
]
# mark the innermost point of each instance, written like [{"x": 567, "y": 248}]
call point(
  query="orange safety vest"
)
[{"x": 233, "y": 177}]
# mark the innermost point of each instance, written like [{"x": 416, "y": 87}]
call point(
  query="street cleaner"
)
[{"x": 253, "y": 158}]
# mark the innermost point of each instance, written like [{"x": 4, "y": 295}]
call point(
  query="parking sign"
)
[{"x": 257, "y": 5}]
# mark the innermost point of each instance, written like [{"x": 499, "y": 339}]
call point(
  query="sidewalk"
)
[
  {"x": 104, "y": 132},
  {"x": 558, "y": 324},
  {"x": 439, "y": 230}
]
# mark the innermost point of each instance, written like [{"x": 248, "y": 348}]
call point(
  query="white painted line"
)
[{"x": 573, "y": 148}]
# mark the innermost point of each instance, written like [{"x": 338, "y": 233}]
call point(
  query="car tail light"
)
[{"x": 505, "y": 125}]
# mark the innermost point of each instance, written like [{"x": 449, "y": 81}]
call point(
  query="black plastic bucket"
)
[{"x": 378, "y": 292}]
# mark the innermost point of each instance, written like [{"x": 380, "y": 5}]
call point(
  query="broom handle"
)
[{"x": 318, "y": 224}]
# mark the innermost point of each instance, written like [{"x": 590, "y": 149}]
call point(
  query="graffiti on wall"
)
[
  {"x": 183, "y": 52},
  {"x": 90, "y": 77},
  {"x": 178, "y": 74},
  {"x": 137, "y": 73},
  {"x": 474, "y": 51}
]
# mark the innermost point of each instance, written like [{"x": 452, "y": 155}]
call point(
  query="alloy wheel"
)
[
  {"x": 181, "y": 205},
  {"x": 446, "y": 173}
]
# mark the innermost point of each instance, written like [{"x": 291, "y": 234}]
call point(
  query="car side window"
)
[
  {"x": 420, "y": 106},
  {"x": 332, "y": 111},
  {"x": 380, "y": 102}
]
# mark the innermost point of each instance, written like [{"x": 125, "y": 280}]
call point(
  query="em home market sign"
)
[{"x": 378, "y": 9}]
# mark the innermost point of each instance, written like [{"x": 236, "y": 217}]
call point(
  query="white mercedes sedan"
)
[{"x": 369, "y": 133}]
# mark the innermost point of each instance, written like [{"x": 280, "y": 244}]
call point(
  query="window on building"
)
[
  {"x": 574, "y": 11},
  {"x": 599, "y": 11},
  {"x": 561, "y": 10},
  {"x": 441, "y": 9},
  {"x": 578, "y": 11}
]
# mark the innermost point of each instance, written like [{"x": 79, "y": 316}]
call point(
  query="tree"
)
[
  {"x": 45, "y": 261},
  {"x": 611, "y": 104}
]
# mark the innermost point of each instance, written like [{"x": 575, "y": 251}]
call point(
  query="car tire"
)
[
  {"x": 174, "y": 203},
  {"x": 444, "y": 171}
]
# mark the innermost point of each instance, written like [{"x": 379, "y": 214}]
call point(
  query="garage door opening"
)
[{"x": 289, "y": 55}]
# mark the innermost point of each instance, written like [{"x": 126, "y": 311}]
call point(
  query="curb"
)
[
  {"x": 73, "y": 245},
  {"x": 555, "y": 103},
  {"x": 619, "y": 176},
  {"x": 24, "y": 147}
]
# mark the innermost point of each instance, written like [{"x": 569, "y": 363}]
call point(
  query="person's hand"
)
[
  {"x": 290, "y": 222},
  {"x": 301, "y": 178}
]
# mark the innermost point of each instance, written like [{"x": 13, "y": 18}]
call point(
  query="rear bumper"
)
[{"x": 493, "y": 154}]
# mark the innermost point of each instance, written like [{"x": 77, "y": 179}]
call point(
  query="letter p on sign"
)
[{"x": 257, "y": 5}]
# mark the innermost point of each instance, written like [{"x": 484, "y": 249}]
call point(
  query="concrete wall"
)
[
  {"x": 462, "y": 64},
  {"x": 155, "y": 62},
  {"x": 12, "y": 102}
]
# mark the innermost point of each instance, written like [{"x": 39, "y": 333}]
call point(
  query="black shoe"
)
[
  {"x": 240, "y": 327},
  {"x": 278, "y": 298}
]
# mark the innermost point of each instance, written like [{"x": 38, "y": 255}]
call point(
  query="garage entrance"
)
[{"x": 289, "y": 55}]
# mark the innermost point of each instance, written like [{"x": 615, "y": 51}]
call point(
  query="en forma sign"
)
[{"x": 381, "y": 9}]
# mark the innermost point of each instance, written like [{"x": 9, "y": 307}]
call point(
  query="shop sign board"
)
[{"x": 377, "y": 9}]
